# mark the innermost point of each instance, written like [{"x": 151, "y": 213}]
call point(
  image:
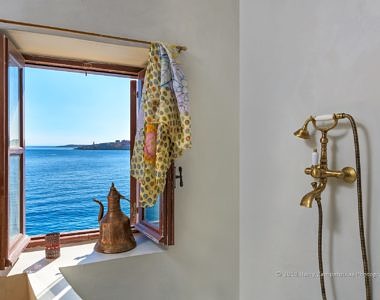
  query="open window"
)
[{"x": 157, "y": 222}]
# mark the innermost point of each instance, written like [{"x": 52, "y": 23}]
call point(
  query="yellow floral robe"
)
[{"x": 163, "y": 126}]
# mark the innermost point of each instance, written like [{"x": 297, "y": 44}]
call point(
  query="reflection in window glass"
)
[
  {"x": 14, "y": 196},
  {"x": 14, "y": 112},
  {"x": 152, "y": 214}
]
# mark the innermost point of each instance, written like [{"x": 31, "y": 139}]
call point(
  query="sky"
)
[{"x": 71, "y": 108}]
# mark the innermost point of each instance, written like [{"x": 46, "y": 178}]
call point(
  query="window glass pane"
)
[
  {"x": 14, "y": 105},
  {"x": 152, "y": 214},
  {"x": 14, "y": 196}
]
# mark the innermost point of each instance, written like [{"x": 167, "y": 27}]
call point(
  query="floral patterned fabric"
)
[{"x": 164, "y": 123}]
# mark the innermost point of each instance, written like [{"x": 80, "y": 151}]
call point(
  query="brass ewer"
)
[{"x": 115, "y": 228}]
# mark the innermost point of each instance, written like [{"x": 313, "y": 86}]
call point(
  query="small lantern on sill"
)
[{"x": 52, "y": 245}]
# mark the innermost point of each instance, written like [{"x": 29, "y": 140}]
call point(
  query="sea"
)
[{"x": 61, "y": 183}]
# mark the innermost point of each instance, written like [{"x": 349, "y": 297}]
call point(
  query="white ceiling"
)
[{"x": 48, "y": 45}]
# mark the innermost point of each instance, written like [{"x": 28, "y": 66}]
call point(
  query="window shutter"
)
[
  {"x": 157, "y": 222},
  {"x": 132, "y": 180},
  {"x": 13, "y": 239}
]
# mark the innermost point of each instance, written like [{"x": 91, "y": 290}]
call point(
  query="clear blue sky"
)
[{"x": 72, "y": 108}]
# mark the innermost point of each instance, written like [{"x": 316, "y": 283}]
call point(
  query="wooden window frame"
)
[
  {"x": 164, "y": 233},
  {"x": 10, "y": 250},
  {"x": 56, "y": 63},
  {"x": 3, "y": 153}
]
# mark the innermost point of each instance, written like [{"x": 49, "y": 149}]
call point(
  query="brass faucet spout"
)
[{"x": 307, "y": 200}]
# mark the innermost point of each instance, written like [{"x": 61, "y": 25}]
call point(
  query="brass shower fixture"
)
[{"x": 319, "y": 170}]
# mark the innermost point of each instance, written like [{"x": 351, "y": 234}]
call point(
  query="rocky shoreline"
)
[{"x": 116, "y": 145}]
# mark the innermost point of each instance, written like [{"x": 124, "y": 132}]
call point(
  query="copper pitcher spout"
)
[{"x": 101, "y": 209}]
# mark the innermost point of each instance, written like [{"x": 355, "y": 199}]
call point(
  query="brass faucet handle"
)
[
  {"x": 314, "y": 171},
  {"x": 349, "y": 175}
]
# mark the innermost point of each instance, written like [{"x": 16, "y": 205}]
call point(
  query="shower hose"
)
[{"x": 360, "y": 218}]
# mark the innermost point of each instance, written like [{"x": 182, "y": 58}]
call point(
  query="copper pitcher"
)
[{"x": 115, "y": 228}]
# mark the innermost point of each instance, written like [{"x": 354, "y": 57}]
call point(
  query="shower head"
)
[{"x": 302, "y": 133}]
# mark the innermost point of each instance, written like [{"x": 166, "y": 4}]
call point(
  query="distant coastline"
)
[
  {"x": 67, "y": 146},
  {"x": 116, "y": 145}
]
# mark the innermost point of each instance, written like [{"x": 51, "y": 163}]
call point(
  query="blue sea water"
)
[{"x": 61, "y": 183}]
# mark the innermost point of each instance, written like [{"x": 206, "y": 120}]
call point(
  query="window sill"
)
[{"x": 46, "y": 278}]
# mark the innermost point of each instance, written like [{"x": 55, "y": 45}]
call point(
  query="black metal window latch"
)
[{"x": 179, "y": 177}]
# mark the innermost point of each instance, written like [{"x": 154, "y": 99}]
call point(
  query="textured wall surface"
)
[
  {"x": 299, "y": 58},
  {"x": 204, "y": 262}
]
